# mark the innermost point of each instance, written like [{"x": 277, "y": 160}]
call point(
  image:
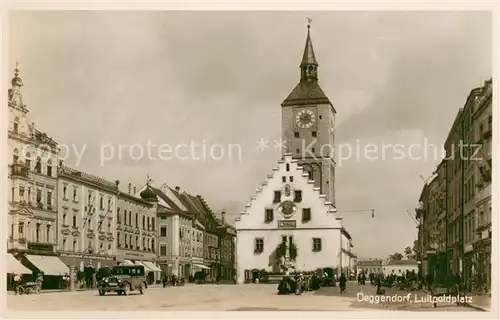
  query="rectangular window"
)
[
  {"x": 277, "y": 197},
  {"x": 296, "y": 134},
  {"x": 118, "y": 217},
  {"x": 101, "y": 201},
  {"x": 153, "y": 224},
  {"x": 21, "y": 193},
  {"x": 39, "y": 195},
  {"x": 314, "y": 134},
  {"x": 49, "y": 170},
  {"x": 20, "y": 229},
  {"x": 75, "y": 192},
  {"x": 290, "y": 178},
  {"x": 74, "y": 220},
  {"x": 283, "y": 179},
  {"x": 74, "y": 245},
  {"x": 163, "y": 250},
  {"x": 143, "y": 222},
  {"x": 259, "y": 245},
  {"x": 49, "y": 198},
  {"x": 306, "y": 214},
  {"x": 48, "y": 234},
  {"x": 37, "y": 239},
  {"x": 163, "y": 231},
  {"x": 136, "y": 220},
  {"x": 298, "y": 196},
  {"x": 269, "y": 215}
]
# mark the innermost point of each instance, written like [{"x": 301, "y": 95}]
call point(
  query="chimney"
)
[
  {"x": 117, "y": 183},
  {"x": 129, "y": 188},
  {"x": 177, "y": 189},
  {"x": 223, "y": 217},
  {"x": 135, "y": 190}
]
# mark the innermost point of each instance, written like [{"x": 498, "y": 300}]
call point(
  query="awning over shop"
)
[
  {"x": 14, "y": 266},
  {"x": 201, "y": 266},
  {"x": 146, "y": 268},
  {"x": 151, "y": 266},
  {"x": 49, "y": 265}
]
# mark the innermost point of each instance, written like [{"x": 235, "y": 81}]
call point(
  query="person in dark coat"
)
[{"x": 342, "y": 283}]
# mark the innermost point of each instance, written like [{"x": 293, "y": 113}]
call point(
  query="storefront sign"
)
[
  {"x": 287, "y": 224},
  {"x": 84, "y": 256},
  {"x": 41, "y": 247},
  {"x": 133, "y": 254}
]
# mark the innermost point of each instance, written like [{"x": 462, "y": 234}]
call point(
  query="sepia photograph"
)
[{"x": 249, "y": 161}]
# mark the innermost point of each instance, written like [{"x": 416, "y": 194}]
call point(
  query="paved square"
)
[{"x": 247, "y": 297}]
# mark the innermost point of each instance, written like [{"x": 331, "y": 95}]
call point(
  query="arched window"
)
[
  {"x": 49, "y": 168},
  {"x": 16, "y": 125},
  {"x": 15, "y": 156},
  {"x": 27, "y": 160}
]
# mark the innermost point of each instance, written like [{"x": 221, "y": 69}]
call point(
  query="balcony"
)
[
  {"x": 17, "y": 244},
  {"x": 19, "y": 170}
]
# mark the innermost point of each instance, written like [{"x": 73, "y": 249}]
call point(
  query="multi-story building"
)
[
  {"x": 197, "y": 252},
  {"x": 175, "y": 230},
  {"x": 369, "y": 266},
  {"x": 453, "y": 187},
  {"x": 483, "y": 127},
  {"x": 136, "y": 233},
  {"x": 295, "y": 208},
  {"x": 226, "y": 235},
  {"x": 463, "y": 219},
  {"x": 32, "y": 192},
  {"x": 86, "y": 219}
]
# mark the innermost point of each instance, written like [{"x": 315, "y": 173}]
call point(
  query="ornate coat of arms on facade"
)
[{"x": 287, "y": 209}]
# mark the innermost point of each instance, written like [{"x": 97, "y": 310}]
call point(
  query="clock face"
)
[{"x": 305, "y": 118}]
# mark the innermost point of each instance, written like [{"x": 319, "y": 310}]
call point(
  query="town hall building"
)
[{"x": 293, "y": 215}]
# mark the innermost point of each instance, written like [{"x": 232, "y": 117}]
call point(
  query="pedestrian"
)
[
  {"x": 342, "y": 283},
  {"x": 164, "y": 280},
  {"x": 217, "y": 279},
  {"x": 17, "y": 281}
]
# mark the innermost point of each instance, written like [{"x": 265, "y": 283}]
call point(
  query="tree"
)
[
  {"x": 408, "y": 253},
  {"x": 396, "y": 256}
]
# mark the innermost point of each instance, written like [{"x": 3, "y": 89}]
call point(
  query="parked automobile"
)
[{"x": 123, "y": 280}]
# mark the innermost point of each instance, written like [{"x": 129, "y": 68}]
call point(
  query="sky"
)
[{"x": 104, "y": 80}]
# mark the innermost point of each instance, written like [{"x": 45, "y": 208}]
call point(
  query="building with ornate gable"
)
[
  {"x": 32, "y": 191},
  {"x": 289, "y": 208},
  {"x": 296, "y": 205}
]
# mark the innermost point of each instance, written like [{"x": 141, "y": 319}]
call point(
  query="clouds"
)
[{"x": 172, "y": 77}]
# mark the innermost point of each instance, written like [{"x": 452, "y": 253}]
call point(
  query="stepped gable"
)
[{"x": 329, "y": 208}]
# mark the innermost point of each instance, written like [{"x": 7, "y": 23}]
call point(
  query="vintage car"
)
[{"x": 123, "y": 280}]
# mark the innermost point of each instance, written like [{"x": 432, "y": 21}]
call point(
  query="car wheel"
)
[
  {"x": 119, "y": 292},
  {"x": 126, "y": 290},
  {"x": 102, "y": 292},
  {"x": 28, "y": 290},
  {"x": 20, "y": 290}
]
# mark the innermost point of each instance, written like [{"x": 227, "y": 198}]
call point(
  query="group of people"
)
[
  {"x": 17, "y": 282},
  {"x": 300, "y": 282}
]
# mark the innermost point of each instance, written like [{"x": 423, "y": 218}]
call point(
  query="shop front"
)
[
  {"x": 146, "y": 259},
  {"x": 80, "y": 261}
]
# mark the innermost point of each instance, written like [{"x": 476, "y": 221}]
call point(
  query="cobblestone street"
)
[{"x": 261, "y": 297}]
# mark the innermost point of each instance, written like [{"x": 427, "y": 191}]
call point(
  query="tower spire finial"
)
[{"x": 309, "y": 20}]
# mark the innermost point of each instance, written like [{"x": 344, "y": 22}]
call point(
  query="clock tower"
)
[{"x": 308, "y": 125}]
